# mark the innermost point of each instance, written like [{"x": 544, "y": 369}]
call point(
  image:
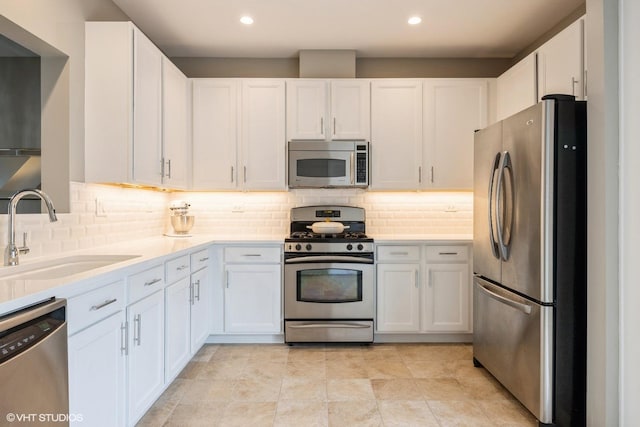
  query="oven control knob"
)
[
  {"x": 298, "y": 247},
  {"x": 308, "y": 247},
  {"x": 349, "y": 246},
  {"x": 360, "y": 247}
]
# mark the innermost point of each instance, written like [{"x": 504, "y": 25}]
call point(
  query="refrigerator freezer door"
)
[
  {"x": 526, "y": 211},
  {"x": 487, "y": 151},
  {"x": 513, "y": 332}
]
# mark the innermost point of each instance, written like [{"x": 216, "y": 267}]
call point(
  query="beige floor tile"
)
[
  {"x": 192, "y": 370},
  {"x": 379, "y": 369},
  {"x": 306, "y": 355},
  {"x": 244, "y": 414},
  {"x": 349, "y": 389},
  {"x": 431, "y": 368},
  {"x": 229, "y": 369},
  {"x": 465, "y": 369},
  {"x": 187, "y": 415},
  {"x": 446, "y": 352},
  {"x": 508, "y": 413},
  {"x": 381, "y": 352},
  {"x": 156, "y": 416},
  {"x": 441, "y": 389},
  {"x": 484, "y": 388},
  {"x": 349, "y": 353},
  {"x": 235, "y": 351},
  {"x": 205, "y": 353},
  {"x": 260, "y": 390},
  {"x": 256, "y": 369},
  {"x": 303, "y": 389},
  {"x": 396, "y": 389},
  {"x": 317, "y": 370},
  {"x": 459, "y": 413},
  {"x": 297, "y": 413},
  {"x": 208, "y": 390},
  {"x": 406, "y": 413},
  {"x": 352, "y": 414},
  {"x": 347, "y": 368}
]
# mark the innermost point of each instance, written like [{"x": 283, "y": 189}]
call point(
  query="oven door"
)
[
  {"x": 325, "y": 168},
  {"x": 328, "y": 290}
]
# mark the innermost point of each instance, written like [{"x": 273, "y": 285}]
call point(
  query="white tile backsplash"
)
[{"x": 102, "y": 214}]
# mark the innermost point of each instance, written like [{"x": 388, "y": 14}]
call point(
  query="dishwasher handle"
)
[{"x": 31, "y": 312}]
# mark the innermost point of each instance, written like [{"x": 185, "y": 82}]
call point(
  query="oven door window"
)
[
  {"x": 322, "y": 168},
  {"x": 329, "y": 285}
]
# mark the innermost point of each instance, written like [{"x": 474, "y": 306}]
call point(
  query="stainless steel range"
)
[{"x": 329, "y": 286}]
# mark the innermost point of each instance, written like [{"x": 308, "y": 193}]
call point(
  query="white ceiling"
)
[{"x": 374, "y": 28}]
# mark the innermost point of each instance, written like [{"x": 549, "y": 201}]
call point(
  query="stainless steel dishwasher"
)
[{"x": 33, "y": 366}]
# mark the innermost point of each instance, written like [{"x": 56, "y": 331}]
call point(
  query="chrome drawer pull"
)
[
  {"x": 203, "y": 259},
  {"x": 152, "y": 282},
  {"x": 254, "y": 255},
  {"x": 448, "y": 253},
  {"x": 182, "y": 267},
  {"x": 399, "y": 253},
  {"x": 104, "y": 304}
]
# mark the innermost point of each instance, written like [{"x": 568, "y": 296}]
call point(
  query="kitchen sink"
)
[{"x": 61, "y": 267}]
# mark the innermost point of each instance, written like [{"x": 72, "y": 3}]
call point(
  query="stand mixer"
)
[{"x": 181, "y": 221}]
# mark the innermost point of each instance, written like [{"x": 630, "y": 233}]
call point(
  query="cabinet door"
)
[
  {"x": 350, "y": 109},
  {"x": 446, "y": 298},
  {"x": 306, "y": 109},
  {"x": 215, "y": 129},
  {"x": 398, "y": 298},
  {"x": 252, "y": 298},
  {"x": 175, "y": 135},
  {"x": 396, "y": 134},
  {"x": 263, "y": 135},
  {"x": 516, "y": 88},
  {"x": 147, "y": 111},
  {"x": 178, "y": 326},
  {"x": 201, "y": 306},
  {"x": 146, "y": 354},
  {"x": 561, "y": 63},
  {"x": 453, "y": 110},
  {"x": 97, "y": 373}
]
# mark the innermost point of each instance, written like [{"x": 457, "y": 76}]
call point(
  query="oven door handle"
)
[
  {"x": 330, "y": 325},
  {"x": 329, "y": 259}
]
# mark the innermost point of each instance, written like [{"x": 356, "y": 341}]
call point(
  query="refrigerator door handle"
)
[
  {"x": 505, "y": 213},
  {"x": 525, "y": 308},
  {"x": 492, "y": 214}
]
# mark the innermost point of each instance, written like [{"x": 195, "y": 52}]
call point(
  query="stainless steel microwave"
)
[{"x": 328, "y": 164}]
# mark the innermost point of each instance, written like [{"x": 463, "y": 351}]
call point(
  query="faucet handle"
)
[{"x": 24, "y": 249}]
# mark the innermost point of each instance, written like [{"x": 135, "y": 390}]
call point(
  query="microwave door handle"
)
[{"x": 353, "y": 168}]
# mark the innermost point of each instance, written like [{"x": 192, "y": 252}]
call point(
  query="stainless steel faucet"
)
[{"x": 12, "y": 252}]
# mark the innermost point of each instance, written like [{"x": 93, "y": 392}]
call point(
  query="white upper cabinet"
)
[
  {"x": 396, "y": 134},
  {"x": 239, "y": 140},
  {"x": 263, "y": 140},
  {"x": 328, "y": 109},
  {"x": 215, "y": 130},
  {"x": 561, "y": 63},
  {"x": 136, "y": 123},
  {"x": 307, "y": 109},
  {"x": 453, "y": 110},
  {"x": 516, "y": 88},
  {"x": 175, "y": 135}
]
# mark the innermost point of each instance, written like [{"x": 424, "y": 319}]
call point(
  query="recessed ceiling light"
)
[
  {"x": 246, "y": 20},
  {"x": 414, "y": 20}
]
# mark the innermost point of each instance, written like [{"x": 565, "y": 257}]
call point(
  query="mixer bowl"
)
[{"x": 182, "y": 223}]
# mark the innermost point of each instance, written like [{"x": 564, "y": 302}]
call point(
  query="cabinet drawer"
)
[
  {"x": 458, "y": 253},
  {"x": 87, "y": 309},
  {"x": 145, "y": 283},
  {"x": 253, "y": 255},
  {"x": 199, "y": 260},
  {"x": 177, "y": 268},
  {"x": 398, "y": 253}
]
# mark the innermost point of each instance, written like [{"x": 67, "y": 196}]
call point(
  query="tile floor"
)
[{"x": 303, "y": 386}]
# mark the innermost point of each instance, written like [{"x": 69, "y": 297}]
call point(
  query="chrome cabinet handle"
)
[
  {"x": 137, "y": 329},
  {"x": 417, "y": 284},
  {"x": 152, "y": 282},
  {"x": 226, "y": 278},
  {"x": 169, "y": 168},
  {"x": 321, "y": 125},
  {"x": 182, "y": 267},
  {"x": 399, "y": 253},
  {"x": 103, "y": 305},
  {"x": 190, "y": 293},
  {"x": 432, "y": 175},
  {"x": 231, "y": 173},
  {"x": 334, "y": 126},
  {"x": 245, "y": 174},
  {"x": 253, "y": 255},
  {"x": 197, "y": 286},
  {"x": 124, "y": 338},
  {"x": 447, "y": 253},
  {"x": 203, "y": 259},
  {"x": 162, "y": 167},
  {"x": 420, "y": 174}
]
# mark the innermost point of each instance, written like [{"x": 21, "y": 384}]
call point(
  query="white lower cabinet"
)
[
  {"x": 200, "y": 308},
  {"x": 145, "y": 362},
  {"x": 177, "y": 327},
  {"x": 423, "y": 289},
  {"x": 97, "y": 373}
]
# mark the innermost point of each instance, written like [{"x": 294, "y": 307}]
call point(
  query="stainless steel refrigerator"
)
[{"x": 529, "y": 257}]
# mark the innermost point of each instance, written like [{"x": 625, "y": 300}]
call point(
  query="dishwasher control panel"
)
[{"x": 20, "y": 338}]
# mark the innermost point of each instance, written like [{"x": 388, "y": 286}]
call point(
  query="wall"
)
[
  {"x": 365, "y": 67},
  {"x": 602, "y": 220}
]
